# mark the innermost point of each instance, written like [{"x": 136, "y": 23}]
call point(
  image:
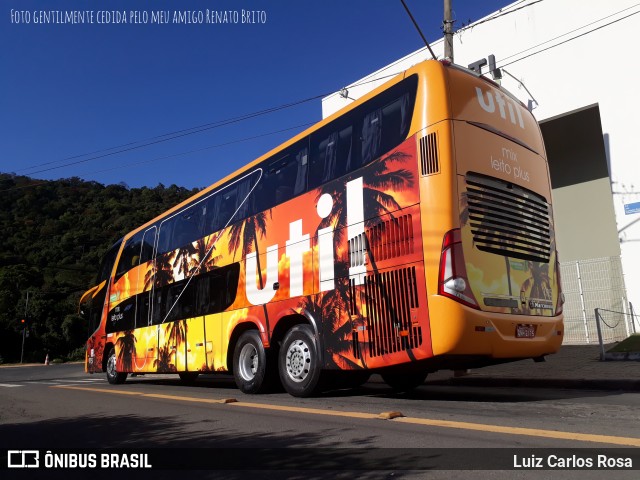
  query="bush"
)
[{"x": 76, "y": 355}]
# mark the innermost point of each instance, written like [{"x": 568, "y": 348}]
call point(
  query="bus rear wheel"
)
[
  {"x": 299, "y": 362},
  {"x": 113, "y": 376},
  {"x": 250, "y": 364},
  {"x": 404, "y": 382}
]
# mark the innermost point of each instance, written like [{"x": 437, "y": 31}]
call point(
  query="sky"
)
[{"x": 145, "y": 103}]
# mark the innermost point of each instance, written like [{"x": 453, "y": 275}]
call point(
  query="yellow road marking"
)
[
  {"x": 152, "y": 395},
  {"x": 310, "y": 411},
  {"x": 102, "y": 390},
  {"x": 190, "y": 399},
  {"x": 529, "y": 432}
]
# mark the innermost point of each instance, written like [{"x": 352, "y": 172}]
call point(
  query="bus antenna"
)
[{"x": 415, "y": 24}]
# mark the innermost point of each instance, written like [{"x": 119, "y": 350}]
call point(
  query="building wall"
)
[
  {"x": 570, "y": 54},
  {"x": 585, "y": 229}
]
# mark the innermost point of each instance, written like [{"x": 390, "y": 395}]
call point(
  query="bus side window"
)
[
  {"x": 201, "y": 292},
  {"x": 330, "y": 154},
  {"x": 165, "y": 234},
  {"x": 158, "y": 305},
  {"x": 146, "y": 246},
  {"x": 130, "y": 257},
  {"x": 211, "y": 209},
  {"x": 234, "y": 202},
  {"x": 243, "y": 203},
  {"x": 223, "y": 287},
  {"x": 371, "y": 137},
  {"x": 181, "y": 229},
  {"x": 187, "y": 227},
  {"x": 289, "y": 175},
  {"x": 395, "y": 123},
  {"x": 107, "y": 262},
  {"x": 284, "y": 177},
  {"x": 302, "y": 161},
  {"x": 227, "y": 207},
  {"x": 214, "y": 291}
]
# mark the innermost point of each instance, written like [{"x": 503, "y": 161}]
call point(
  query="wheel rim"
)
[
  {"x": 298, "y": 361},
  {"x": 248, "y": 362},
  {"x": 111, "y": 366}
]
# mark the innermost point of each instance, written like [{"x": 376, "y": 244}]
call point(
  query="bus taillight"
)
[
  {"x": 453, "y": 282},
  {"x": 560, "y": 303}
]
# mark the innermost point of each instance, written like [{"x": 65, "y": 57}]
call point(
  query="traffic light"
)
[{"x": 23, "y": 323}]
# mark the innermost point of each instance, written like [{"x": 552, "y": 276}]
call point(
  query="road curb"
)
[{"x": 622, "y": 356}]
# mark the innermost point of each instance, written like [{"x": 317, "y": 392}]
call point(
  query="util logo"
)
[
  {"x": 489, "y": 106},
  {"x": 299, "y": 243}
]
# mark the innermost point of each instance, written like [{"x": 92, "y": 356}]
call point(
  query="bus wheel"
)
[
  {"x": 114, "y": 377},
  {"x": 404, "y": 382},
  {"x": 250, "y": 363},
  {"x": 299, "y": 362},
  {"x": 188, "y": 377}
]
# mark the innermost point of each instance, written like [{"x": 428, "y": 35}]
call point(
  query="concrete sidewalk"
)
[{"x": 574, "y": 366}]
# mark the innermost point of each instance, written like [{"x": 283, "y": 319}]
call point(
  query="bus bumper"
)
[{"x": 465, "y": 331}]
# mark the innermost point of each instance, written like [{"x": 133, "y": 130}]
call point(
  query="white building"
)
[{"x": 576, "y": 62}]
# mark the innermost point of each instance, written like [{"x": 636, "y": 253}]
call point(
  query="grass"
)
[{"x": 631, "y": 344}]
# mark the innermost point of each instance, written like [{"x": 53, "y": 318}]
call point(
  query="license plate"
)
[{"x": 525, "y": 331}]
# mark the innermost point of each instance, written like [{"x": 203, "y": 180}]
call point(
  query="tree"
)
[{"x": 54, "y": 236}]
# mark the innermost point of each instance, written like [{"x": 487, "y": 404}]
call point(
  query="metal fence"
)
[
  {"x": 607, "y": 320},
  {"x": 590, "y": 284}
]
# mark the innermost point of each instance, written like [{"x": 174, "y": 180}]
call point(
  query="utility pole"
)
[
  {"x": 447, "y": 25},
  {"x": 24, "y": 326}
]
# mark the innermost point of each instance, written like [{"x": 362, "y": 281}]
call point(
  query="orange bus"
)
[{"x": 411, "y": 231}]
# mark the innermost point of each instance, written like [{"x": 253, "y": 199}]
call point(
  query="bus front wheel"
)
[
  {"x": 113, "y": 376},
  {"x": 299, "y": 362}
]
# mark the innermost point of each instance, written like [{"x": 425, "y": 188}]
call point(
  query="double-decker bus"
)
[{"x": 411, "y": 231}]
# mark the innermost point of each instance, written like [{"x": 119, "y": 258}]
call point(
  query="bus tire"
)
[
  {"x": 188, "y": 377},
  {"x": 113, "y": 376},
  {"x": 299, "y": 362},
  {"x": 250, "y": 363},
  {"x": 404, "y": 382}
]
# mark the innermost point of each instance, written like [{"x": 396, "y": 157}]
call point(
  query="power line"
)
[
  {"x": 209, "y": 126},
  {"x": 499, "y": 14},
  {"x": 128, "y": 165},
  {"x": 417, "y": 27},
  {"x": 174, "y": 135},
  {"x": 241, "y": 140},
  {"x": 568, "y": 33}
]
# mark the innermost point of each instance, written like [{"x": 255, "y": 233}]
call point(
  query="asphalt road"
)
[{"x": 60, "y": 407}]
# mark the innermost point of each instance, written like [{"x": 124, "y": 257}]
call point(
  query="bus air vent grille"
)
[
  {"x": 390, "y": 239},
  {"x": 429, "y": 154},
  {"x": 389, "y": 298},
  {"x": 506, "y": 219}
]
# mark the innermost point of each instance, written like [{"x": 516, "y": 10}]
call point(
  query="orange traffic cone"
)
[{"x": 46, "y": 359}]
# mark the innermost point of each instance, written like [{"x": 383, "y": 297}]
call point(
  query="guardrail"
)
[{"x": 614, "y": 317}]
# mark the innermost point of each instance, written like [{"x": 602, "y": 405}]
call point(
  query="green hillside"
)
[{"x": 53, "y": 235}]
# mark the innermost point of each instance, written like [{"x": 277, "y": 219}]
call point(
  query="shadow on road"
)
[{"x": 184, "y": 445}]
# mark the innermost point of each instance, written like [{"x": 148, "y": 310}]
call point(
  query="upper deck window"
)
[{"x": 363, "y": 134}]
